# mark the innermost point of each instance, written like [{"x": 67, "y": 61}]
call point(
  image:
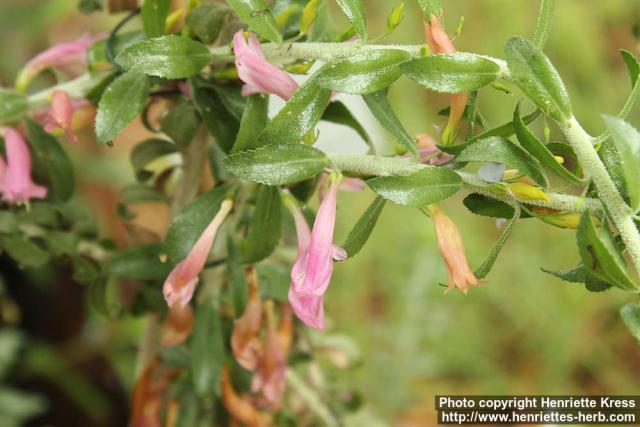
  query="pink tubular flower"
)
[
  {"x": 312, "y": 271},
  {"x": 182, "y": 280},
  {"x": 439, "y": 42},
  {"x": 60, "y": 115},
  {"x": 65, "y": 55},
  {"x": 258, "y": 75},
  {"x": 17, "y": 186},
  {"x": 452, "y": 250},
  {"x": 427, "y": 149}
]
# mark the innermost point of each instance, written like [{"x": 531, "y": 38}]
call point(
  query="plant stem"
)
[
  {"x": 543, "y": 26},
  {"x": 311, "y": 398},
  {"x": 621, "y": 214},
  {"x": 76, "y": 88},
  {"x": 388, "y": 166}
]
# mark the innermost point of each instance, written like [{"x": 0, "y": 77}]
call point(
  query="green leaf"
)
[
  {"x": 207, "y": 21},
  {"x": 264, "y": 227},
  {"x": 97, "y": 59},
  {"x": 537, "y": 149},
  {"x": 630, "y": 314},
  {"x": 171, "y": 57},
  {"x": 429, "y": 7},
  {"x": 51, "y": 162},
  {"x": 502, "y": 150},
  {"x": 254, "y": 120},
  {"x": 486, "y": 266},
  {"x": 141, "y": 263},
  {"x": 452, "y": 73},
  {"x": 180, "y": 123},
  {"x": 258, "y": 16},
  {"x": 337, "y": 112},
  {"x": 274, "y": 282},
  {"x": 627, "y": 142},
  {"x": 277, "y": 164},
  {"x": 361, "y": 231},
  {"x": 382, "y": 111},
  {"x": 364, "y": 72},
  {"x": 8, "y": 222},
  {"x": 12, "y": 106},
  {"x": 220, "y": 122},
  {"x": 148, "y": 151},
  {"x": 395, "y": 17},
  {"x": 188, "y": 225},
  {"x": 600, "y": 255},
  {"x": 299, "y": 115},
  {"x": 486, "y": 206},
  {"x": 23, "y": 251},
  {"x": 356, "y": 14},
  {"x": 154, "y": 13},
  {"x": 137, "y": 193},
  {"x": 207, "y": 350},
  {"x": 613, "y": 163},
  {"x": 425, "y": 187},
  {"x": 580, "y": 275},
  {"x": 632, "y": 65},
  {"x": 121, "y": 102},
  {"x": 236, "y": 276},
  {"x": 538, "y": 79},
  {"x": 505, "y": 130}
]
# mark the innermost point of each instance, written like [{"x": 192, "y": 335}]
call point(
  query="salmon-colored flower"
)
[
  {"x": 245, "y": 338},
  {"x": 17, "y": 186},
  {"x": 65, "y": 56},
  {"x": 269, "y": 378},
  {"x": 439, "y": 42},
  {"x": 259, "y": 75},
  {"x": 177, "y": 325},
  {"x": 429, "y": 153},
  {"x": 60, "y": 115},
  {"x": 240, "y": 408},
  {"x": 452, "y": 250},
  {"x": 182, "y": 280},
  {"x": 150, "y": 393}
]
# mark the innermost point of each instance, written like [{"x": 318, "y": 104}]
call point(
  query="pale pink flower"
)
[
  {"x": 64, "y": 56},
  {"x": 427, "y": 148},
  {"x": 182, "y": 280},
  {"x": 452, "y": 250},
  {"x": 312, "y": 271},
  {"x": 439, "y": 42},
  {"x": 17, "y": 186},
  {"x": 258, "y": 75},
  {"x": 60, "y": 115}
]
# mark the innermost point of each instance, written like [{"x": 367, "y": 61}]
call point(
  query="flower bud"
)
[{"x": 527, "y": 192}]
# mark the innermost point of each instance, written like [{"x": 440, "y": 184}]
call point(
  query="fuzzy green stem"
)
[
  {"x": 621, "y": 214},
  {"x": 387, "y": 166},
  {"x": 76, "y": 88},
  {"x": 543, "y": 25}
]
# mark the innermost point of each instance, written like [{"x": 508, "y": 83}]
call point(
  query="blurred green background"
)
[{"x": 521, "y": 332}]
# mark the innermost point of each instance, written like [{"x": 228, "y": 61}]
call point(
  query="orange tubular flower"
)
[
  {"x": 452, "y": 250},
  {"x": 239, "y": 407},
  {"x": 177, "y": 326},
  {"x": 245, "y": 338},
  {"x": 439, "y": 42},
  {"x": 150, "y": 393}
]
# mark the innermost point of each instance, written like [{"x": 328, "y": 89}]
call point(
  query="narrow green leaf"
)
[
  {"x": 148, "y": 151},
  {"x": 258, "y": 16},
  {"x": 630, "y": 314},
  {"x": 613, "y": 163},
  {"x": 382, "y": 111},
  {"x": 505, "y": 130},
  {"x": 537, "y": 149},
  {"x": 452, "y": 73},
  {"x": 504, "y": 151},
  {"x": 395, "y": 17},
  {"x": 429, "y": 7},
  {"x": 97, "y": 54},
  {"x": 274, "y": 282},
  {"x": 207, "y": 350},
  {"x": 486, "y": 206},
  {"x": 580, "y": 275},
  {"x": 8, "y": 222},
  {"x": 264, "y": 227},
  {"x": 180, "y": 123},
  {"x": 121, "y": 102},
  {"x": 633, "y": 67},
  {"x": 425, "y": 187},
  {"x": 337, "y": 112},
  {"x": 207, "y": 21},
  {"x": 51, "y": 162},
  {"x": 365, "y": 72},
  {"x": 600, "y": 255},
  {"x": 277, "y": 164},
  {"x": 486, "y": 266},
  {"x": 220, "y": 122},
  {"x": 361, "y": 231},
  {"x": 627, "y": 142},
  {"x": 188, "y": 225},
  {"x": 154, "y": 13},
  {"x": 356, "y": 14},
  {"x": 236, "y": 276},
  {"x": 140, "y": 263},
  {"x": 12, "y": 105},
  {"x": 538, "y": 79},
  {"x": 23, "y": 251},
  {"x": 254, "y": 120},
  {"x": 299, "y": 115},
  {"x": 171, "y": 57}
]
